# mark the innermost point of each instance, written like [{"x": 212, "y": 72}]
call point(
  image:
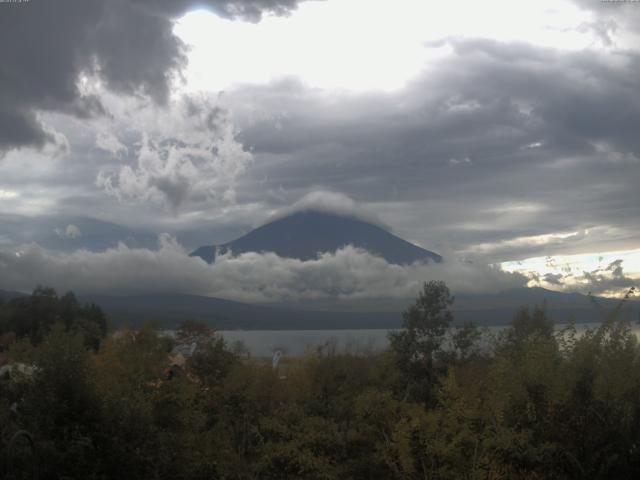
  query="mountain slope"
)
[
  {"x": 168, "y": 310},
  {"x": 490, "y": 308},
  {"x": 6, "y": 295},
  {"x": 303, "y": 235}
]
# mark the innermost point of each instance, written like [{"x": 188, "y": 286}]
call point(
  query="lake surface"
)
[{"x": 262, "y": 343}]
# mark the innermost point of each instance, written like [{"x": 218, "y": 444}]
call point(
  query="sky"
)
[{"x": 500, "y": 134}]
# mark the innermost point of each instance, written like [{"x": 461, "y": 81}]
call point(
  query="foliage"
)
[
  {"x": 34, "y": 316},
  {"x": 441, "y": 403},
  {"x": 418, "y": 345}
]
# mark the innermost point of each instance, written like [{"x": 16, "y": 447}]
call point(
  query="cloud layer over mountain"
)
[
  {"x": 503, "y": 144},
  {"x": 348, "y": 274}
]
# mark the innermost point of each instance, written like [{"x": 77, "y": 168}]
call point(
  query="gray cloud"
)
[
  {"x": 611, "y": 18},
  {"x": 47, "y": 47},
  {"x": 67, "y": 233},
  {"x": 330, "y": 202},
  {"x": 348, "y": 274},
  {"x": 70, "y": 231},
  {"x": 553, "y": 279},
  {"x": 550, "y": 136},
  {"x": 250, "y": 10},
  {"x": 554, "y": 158},
  {"x": 609, "y": 278}
]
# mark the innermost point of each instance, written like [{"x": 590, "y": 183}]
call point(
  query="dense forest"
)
[{"x": 443, "y": 402}]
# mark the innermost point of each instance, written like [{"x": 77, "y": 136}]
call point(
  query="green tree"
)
[
  {"x": 212, "y": 361},
  {"x": 61, "y": 407},
  {"x": 466, "y": 341},
  {"x": 418, "y": 345},
  {"x": 527, "y": 323},
  {"x": 34, "y": 316}
]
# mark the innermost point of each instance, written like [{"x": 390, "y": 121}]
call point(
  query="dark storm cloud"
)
[
  {"x": 46, "y": 46},
  {"x": 610, "y": 17},
  {"x": 490, "y": 98},
  {"x": 251, "y": 10},
  {"x": 499, "y": 141}
]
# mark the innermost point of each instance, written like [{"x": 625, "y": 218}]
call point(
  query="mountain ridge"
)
[
  {"x": 6, "y": 295},
  {"x": 170, "y": 309}
]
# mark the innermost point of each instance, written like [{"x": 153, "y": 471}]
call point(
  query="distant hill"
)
[
  {"x": 168, "y": 310},
  {"x": 491, "y": 308},
  {"x": 8, "y": 295},
  {"x": 303, "y": 235},
  {"x": 499, "y": 308},
  {"x": 49, "y": 232}
]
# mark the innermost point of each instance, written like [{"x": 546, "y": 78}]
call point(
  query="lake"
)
[{"x": 262, "y": 343}]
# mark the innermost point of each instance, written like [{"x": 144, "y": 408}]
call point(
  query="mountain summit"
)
[{"x": 303, "y": 235}]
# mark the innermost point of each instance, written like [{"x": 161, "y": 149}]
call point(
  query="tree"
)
[
  {"x": 419, "y": 344},
  {"x": 466, "y": 340},
  {"x": 33, "y": 317},
  {"x": 61, "y": 407},
  {"x": 212, "y": 361},
  {"x": 527, "y": 324}
]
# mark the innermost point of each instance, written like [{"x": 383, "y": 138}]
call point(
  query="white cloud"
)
[
  {"x": 329, "y": 202},
  {"x": 326, "y": 41},
  {"x": 600, "y": 273},
  {"x": 460, "y": 161},
  {"x": 347, "y": 274},
  {"x": 108, "y": 142},
  {"x": 188, "y": 153},
  {"x": 8, "y": 194},
  {"x": 534, "y": 241}
]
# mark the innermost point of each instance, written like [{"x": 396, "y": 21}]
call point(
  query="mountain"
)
[
  {"x": 8, "y": 295},
  {"x": 69, "y": 233},
  {"x": 303, "y": 235},
  {"x": 490, "y": 308},
  {"x": 168, "y": 310},
  {"x": 499, "y": 308}
]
